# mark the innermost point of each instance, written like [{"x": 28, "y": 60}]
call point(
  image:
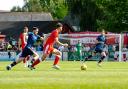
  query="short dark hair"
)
[
  {"x": 59, "y": 25},
  {"x": 34, "y": 28},
  {"x": 25, "y": 27},
  {"x": 106, "y": 32}
]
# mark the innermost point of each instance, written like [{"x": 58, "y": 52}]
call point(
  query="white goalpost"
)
[{"x": 90, "y": 39}]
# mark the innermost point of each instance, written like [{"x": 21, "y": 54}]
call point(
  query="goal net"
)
[{"x": 112, "y": 48}]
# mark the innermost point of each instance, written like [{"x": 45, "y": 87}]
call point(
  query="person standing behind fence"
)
[
  {"x": 23, "y": 39},
  {"x": 9, "y": 54},
  {"x": 22, "y": 43},
  {"x": 79, "y": 50}
]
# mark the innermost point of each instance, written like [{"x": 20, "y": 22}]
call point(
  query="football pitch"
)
[{"x": 112, "y": 75}]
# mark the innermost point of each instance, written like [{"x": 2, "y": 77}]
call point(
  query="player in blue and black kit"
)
[
  {"x": 99, "y": 48},
  {"x": 33, "y": 37}
]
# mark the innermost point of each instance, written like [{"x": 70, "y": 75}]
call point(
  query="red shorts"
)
[{"x": 48, "y": 49}]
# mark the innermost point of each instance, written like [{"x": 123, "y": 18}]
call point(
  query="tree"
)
[
  {"x": 115, "y": 17},
  {"x": 32, "y": 6},
  {"x": 116, "y": 13},
  {"x": 16, "y": 9},
  {"x": 55, "y": 7},
  {"x": 111, "y": 15},
  {"x": 87, "y": 12}
]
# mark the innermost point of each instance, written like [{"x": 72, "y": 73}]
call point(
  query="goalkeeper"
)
[{"x": 79, "y": 50}]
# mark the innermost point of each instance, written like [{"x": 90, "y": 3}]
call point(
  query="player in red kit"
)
[
  {"x": 48, "y": 47},
  {"x": 23, "y": 39},
  {"x": 22, "y": 43}
]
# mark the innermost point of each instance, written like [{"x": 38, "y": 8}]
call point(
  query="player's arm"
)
[
  {"x": 39, "y": 39},
  {"x": 42, "y": 38},
  {"x": 45, "y": 38},
  {"x": 109, "y": 37},
  {"x": 96, "y": 41},
  {"x": 58, "y": 42},
  {"x": 19, "y": 44}
]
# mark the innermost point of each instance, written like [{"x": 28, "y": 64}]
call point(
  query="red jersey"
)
[
  {"x": 23, "y": 40},
  {"x": 48, "y": 46},
  {"x": 51, "y": 39}
]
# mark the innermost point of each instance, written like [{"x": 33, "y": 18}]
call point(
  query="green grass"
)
[{"x": 112, "y": 75}]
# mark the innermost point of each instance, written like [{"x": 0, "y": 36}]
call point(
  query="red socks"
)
[
  {"x": 56, "y": 60},
  {"x": 36, "y": 62}
]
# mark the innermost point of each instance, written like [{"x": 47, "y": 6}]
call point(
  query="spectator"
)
[
  {"x": 9, "y": 54},
  {"x": 79, "y": 49}
]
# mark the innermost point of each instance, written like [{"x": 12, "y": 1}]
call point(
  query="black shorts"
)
[
  {"x": 27, "y": 51},
  {"x": 98, "y": 51}
]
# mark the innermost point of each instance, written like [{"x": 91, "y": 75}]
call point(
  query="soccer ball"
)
[{"x": 83, "y": 67}]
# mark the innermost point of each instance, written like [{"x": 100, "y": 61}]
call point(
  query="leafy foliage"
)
[
  {"x": 87, "y": 12},
  {"x": 96, "y": 14},
  {"x": 115, "y": 13},
  {"x": 16, "y": 8},
  {"x": 55, "y": 7},
  {"x": 93, "y": 15}
]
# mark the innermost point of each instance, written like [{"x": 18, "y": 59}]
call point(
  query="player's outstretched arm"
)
[
  {"x": 42, "y": 38},
  {"x": 58, "y": 42},
  {"x": 110, "y": 37}
]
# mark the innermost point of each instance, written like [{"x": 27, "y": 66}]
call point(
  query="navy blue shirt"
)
[
  {"x": 101, "y": 39},
  {"x": 32, "y": 38}
]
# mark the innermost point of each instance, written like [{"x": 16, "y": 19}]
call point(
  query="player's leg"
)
[
  {"x": 94, "y": 51},
  {"x": 57, "y": 58},
  {"x": 36, "y": 58},
  {"x": 36, "y": 62},
  {"x": 79, "y": 54},
  {"x": 103, "y": 55},
  {"x": 124, "y": 56},
  {"x": 90, "y": 56},
  {"x": 31, "y": 60},
  {"x": 46, "y": 52},
  {"x": 116, "y": 56},
  {"x": 14, "y": 63},
  {"x": 24, "y": 54},
  {"x": 18, "y": 55},
  {"x": 32, "y": 54},
  {"x": 26, "y": 61}
]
